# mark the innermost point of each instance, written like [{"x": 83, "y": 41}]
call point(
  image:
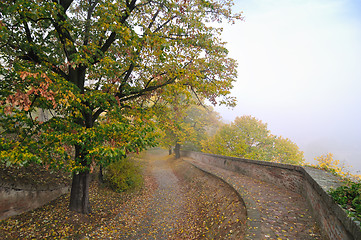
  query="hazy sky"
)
[{"x": 300, "y": 72}]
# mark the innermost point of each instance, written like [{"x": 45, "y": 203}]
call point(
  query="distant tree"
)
[
  {"x": 286, "y": 151},
  {"x": 185, "y": 121},
  {"x": 329, "y": 163},
  {"x": 173, "y": 131},
  {"x": 204, "y": 121},
  {"x": 248, "y": 137},
  {"x": 92, "y": 64},
  {"x": 223, "y": 143}
]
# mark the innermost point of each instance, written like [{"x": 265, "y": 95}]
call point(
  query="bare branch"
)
[
  {"x": 151, "y": 79},
  {"x": 126, "y": 77},
  {"x": 154, "y": 18}
]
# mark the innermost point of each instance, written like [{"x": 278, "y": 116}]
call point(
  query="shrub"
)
[
  {"x": 328, "y": 163},
  {"x": 123, "y": 175},
  {"x": 349, "y": 197}
]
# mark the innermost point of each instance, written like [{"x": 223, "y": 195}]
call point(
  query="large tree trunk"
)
[
  {"x": 79, "y": 196},
  {"x": 177, "y": 150}
]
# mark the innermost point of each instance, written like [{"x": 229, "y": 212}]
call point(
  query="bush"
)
[
  {"x": 328, "y": 163},
  {"x": 123, "y": 175},
  {"x": 349, "y": 197}
]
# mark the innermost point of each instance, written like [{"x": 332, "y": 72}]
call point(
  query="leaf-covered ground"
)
[
  {"x": 281, "y": 214},
  {"x": 54, "y": 220},
  {"x": 221, "y": 214},
  {"x": 186, "y": 204},
  {"x": 177, "y": 201}
]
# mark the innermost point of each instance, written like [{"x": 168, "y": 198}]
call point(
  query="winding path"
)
[
  {"x": 183, "y": 202},
  {"x": 273, "y": 212},
  {"x": 166, "y": 206},
  {"x": 179, "y": 202}
]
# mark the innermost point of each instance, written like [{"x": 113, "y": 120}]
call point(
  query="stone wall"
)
[
  {"x": 16, "y": 200},
  {"x": 332, "y": 218}
]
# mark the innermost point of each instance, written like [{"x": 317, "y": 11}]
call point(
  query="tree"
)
[
  {"x": 186, "y": 125},
  {"x": 328, "y": 163},
  {"x": 204, "y": 121},
  {"x": 286, "y": 151},
  {"x": 92, "y": 64},
  {"x": 173, "y": 131},
  {"x": 248, "y": 137}
]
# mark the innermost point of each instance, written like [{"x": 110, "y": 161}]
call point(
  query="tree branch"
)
[
  {"x": 87, "y": 24},
  {"x": 165, "y": 23},
  {"x": 64, "y": 3},
  {"x": 199, "y": 100},
  {"x": 144, "y": 91},
  {"x": 126, "y": 77},
  {"x": 112, "y": 37},
  {"x": 31, "y": 55},
  {"x": 132, "y": 66},
  {"x": 150, "y": 80},
  {"x": 97, "y": 114},
  {"x": 154, "y": 18}
]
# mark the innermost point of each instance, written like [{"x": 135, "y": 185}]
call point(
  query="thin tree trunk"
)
[
  {"x": 170, "y": 150},
  {"x": 177, "y": 150},
  {"x": 101, "y": 177}
]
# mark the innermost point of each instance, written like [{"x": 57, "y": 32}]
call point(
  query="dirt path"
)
[
  {"x": 166, "y": 206},
  {"x": 179, "y": 202}
]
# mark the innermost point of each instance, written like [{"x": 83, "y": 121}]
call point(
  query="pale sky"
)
[{"x": 300, "y": 72}]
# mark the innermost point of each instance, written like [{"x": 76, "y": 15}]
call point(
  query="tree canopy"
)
[
  {"x": 92, "y": 65},
  {"x": 186, "y": 124},
  {"x": 248, "y": 137}
]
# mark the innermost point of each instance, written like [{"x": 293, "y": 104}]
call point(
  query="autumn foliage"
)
[
  {"x": 248, "y": 137},
  {"x": 328, "y": 163},
  {"x": 94, "y": 68},
  {"x": 348, "y": 195}
]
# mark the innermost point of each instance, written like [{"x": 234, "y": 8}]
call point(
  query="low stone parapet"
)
[
  {"x": 16, "y": 200},
  {"x": 312, "y": 184}
]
